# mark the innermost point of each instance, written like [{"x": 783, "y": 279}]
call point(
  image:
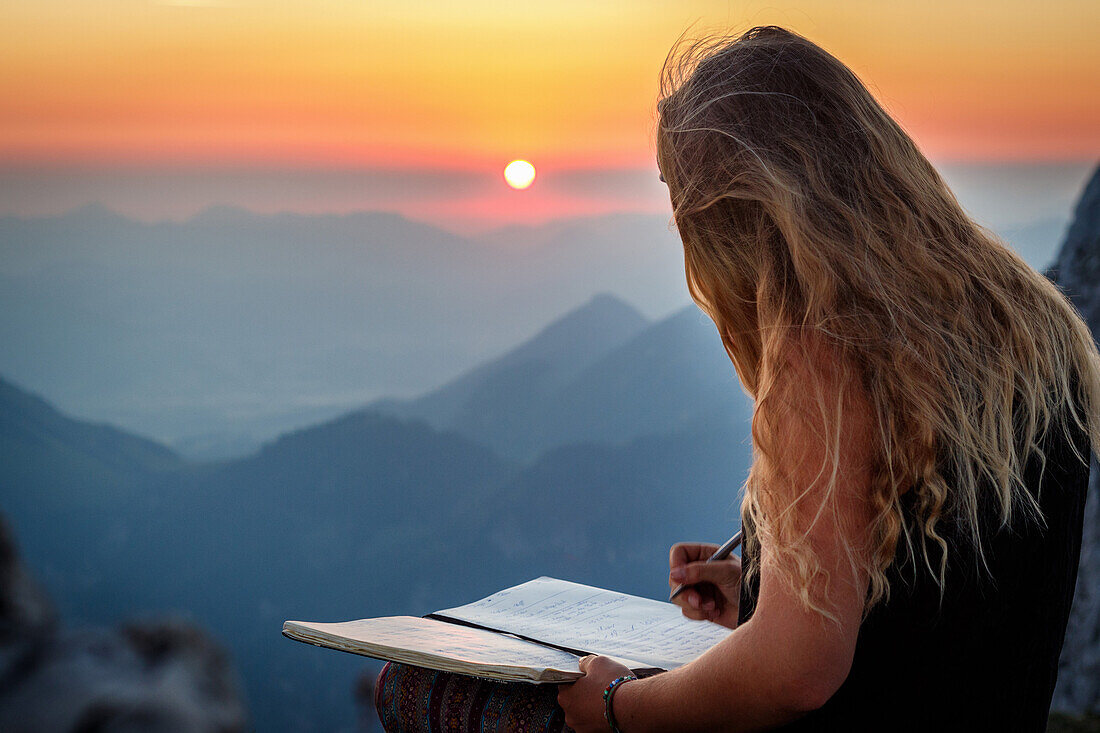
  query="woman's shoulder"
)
[{"x": 816, "y": 384}]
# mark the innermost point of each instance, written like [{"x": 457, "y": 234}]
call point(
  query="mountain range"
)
[
  {"x": 377, "y": 513},
  {"x": 222, "y": 331},
  {"x": 216, "y": 333},
  {"x": 602, "y": 373}
]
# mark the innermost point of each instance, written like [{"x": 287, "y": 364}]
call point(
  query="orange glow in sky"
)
[{"x": 568, "y": 84}]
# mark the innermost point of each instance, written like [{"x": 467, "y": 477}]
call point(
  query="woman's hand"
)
[
  {"x": 582, "y": 700},
  {"x": 715, "y": 595}
]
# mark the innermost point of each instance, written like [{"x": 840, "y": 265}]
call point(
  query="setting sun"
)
[{"x": 519, "y": 174}]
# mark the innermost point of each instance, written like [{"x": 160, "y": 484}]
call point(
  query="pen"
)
[{"x": 720, "y": 554}]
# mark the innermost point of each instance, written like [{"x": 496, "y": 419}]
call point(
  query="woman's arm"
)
[
  {"x": 786, "y": 660},
  {"x": 782, "y": 663}
]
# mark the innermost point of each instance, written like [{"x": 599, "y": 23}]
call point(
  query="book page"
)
[
  {"x": 440, "y": 645},
  {"x": 595, "y": 620}
]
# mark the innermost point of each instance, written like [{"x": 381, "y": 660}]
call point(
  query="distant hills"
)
[
  {"x": 223, "y": 331},
  {"x": 378, "y": 513},
  {"x": 601, "y": 373},
  {"x": 492, "y": 400},
  {"x": 69, "y": 463}
]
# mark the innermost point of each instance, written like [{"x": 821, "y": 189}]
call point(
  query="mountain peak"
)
[
  {"x": 604, "y": 318},
  {"x": 606, "y": 305},
  {"x": 607, "y": 300},
  {"x": 495, "y": 393}
]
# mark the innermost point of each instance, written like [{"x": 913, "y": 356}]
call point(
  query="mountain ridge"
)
[
  {"x": 85, "y": 458},
  {"x": 233, "y": 327},
  {"x": 487, "y": 402}
]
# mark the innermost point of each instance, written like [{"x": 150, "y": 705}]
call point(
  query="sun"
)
[{"x": 519, "y": 174}]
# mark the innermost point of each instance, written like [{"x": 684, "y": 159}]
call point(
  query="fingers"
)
[
  {"x": 564, "y": 688},
  {"x": 693, "y": 614},
  {"x": 700, "y": 603},
  {"x": 581, "y": 700},
  {"x": 685, "y": 552},
  {"x": 710, "y": 588},
  {"x": 722, "y": 572}
]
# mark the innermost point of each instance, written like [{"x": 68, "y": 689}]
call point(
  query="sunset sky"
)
[{"x": 161, "y": 108}]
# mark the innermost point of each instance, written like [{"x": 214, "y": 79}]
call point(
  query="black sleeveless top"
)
[{"x": 987, "y": 658}]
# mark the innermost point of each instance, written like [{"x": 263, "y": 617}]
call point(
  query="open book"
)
[{"x": 535, "y": 632}]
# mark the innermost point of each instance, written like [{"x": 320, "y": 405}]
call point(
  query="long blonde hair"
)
[{"x": 804, "y": 207}]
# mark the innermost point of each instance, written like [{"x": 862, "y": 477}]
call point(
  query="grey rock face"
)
[
  {"x": 152, "y": 677},
  {"x": 1077, "y": 272},
  {"x": 1077, "y": 267},
  {"x": 26, "y": 613}
]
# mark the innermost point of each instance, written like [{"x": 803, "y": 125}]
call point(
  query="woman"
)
[{"x": 925, "y": 404}]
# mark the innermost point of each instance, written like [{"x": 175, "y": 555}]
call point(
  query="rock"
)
[
  {"x": 1077, "y": 271},
  {"x": 150, "y": 677},
  {"x": 25, "y": 611}
]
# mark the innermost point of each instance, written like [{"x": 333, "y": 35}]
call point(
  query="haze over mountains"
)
[
  {"x": 601, "y": 373},
  {"x": 236, "y": 326},
  {"x": 220, "y": 332},
  {"x": 373, "y": 514}
]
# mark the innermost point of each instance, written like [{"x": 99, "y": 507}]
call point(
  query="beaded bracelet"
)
[{"x": 608, "y": 692}]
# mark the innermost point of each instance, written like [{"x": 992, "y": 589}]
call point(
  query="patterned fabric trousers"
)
[{"x": 416, "y": 700}]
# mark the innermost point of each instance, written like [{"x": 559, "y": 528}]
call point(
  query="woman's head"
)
[
  {"x": 804, "y": 208},
  {"x": 783, "y": 170}
]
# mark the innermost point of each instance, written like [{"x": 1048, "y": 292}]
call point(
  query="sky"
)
[{"x": 159, "y": 109}]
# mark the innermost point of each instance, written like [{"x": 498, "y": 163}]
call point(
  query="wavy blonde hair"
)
[{"x": 805, "y": 208}]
